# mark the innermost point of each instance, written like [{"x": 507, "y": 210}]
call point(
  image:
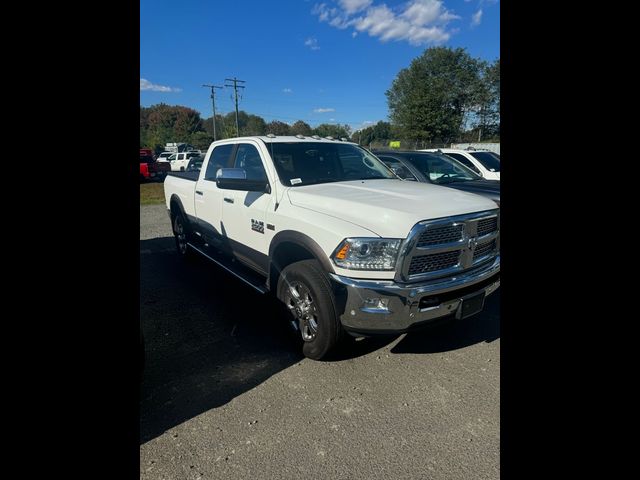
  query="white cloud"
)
[
  {"x": 476, "y": 18},
  {"x": 324, "y": 110},
  {"x": 354, "y": 34},
  {"x": 332, "y": 119},
  {"x": 353, "y": 6},
  {"x": 417, "y": 22},
  {"x": 287, "y": 90},
  {"x": 147, "y": 85},
  {"x": 312, "y": 43}
]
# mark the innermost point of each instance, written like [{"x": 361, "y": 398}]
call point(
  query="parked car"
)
[
  {"x": 164, "y": 156},
  {"x": 439, "y": 169},
  {"x": 483, "y": 162},
  {"x": 180, "y": 161},
  {"x": 150, "y": 169},
  {"x": 342, "y": 242}
]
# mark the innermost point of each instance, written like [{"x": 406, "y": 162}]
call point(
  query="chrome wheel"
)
[
  {"x": 181, "y": 236},
  {"x": 301, "y": 305}
]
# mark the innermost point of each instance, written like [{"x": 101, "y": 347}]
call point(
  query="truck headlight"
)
[{"x": 367, "y": 253}]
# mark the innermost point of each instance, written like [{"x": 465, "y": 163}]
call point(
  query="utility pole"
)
[
  {"x": 235, "y": 90},
  {"x": 213, "y": 101}
]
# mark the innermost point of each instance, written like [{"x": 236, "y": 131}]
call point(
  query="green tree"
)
[
  {"x": 379, "y": 133},
  {"x": 207, "y": 126},
  {"x": 429, "y": 99},
  {"x": 164, "y": 123},
  {"x": 248, "y": 124},
  {"x": 278, "y": 128},
  {"x": 301, "y": 128},
  {"x": 201, "y": 140},
  {"x": 332, "y": 130}
]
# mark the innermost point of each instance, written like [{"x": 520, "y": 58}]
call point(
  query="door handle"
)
[
  {"x": 198, "y": 192},
  {"x": 228, "y": 200}
]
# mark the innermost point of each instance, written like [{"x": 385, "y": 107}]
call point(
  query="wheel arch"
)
[{"x": 290, "y": 246}]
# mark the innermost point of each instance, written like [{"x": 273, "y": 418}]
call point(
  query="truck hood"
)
[{"x": 387, "y": 207}]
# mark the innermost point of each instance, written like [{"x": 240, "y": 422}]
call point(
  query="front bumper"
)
[{"x": 385, "y": 306}]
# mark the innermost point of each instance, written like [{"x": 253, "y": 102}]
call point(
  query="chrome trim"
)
[
  {"x": 403, "y": 299},
  {"x": 231, "y": 174},
  {"x": 467, "y": 245}
]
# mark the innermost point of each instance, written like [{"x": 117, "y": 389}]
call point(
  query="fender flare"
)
[
  {"x": 176, "y": 199},
  {"x": 304, "y": 241}
]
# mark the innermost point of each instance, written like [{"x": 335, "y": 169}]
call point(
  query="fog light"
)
[{"x": 376, "y": 305}]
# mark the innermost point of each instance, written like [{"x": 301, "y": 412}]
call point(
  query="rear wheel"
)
[
  {"x": 181, "y": 234},
  {"x": 306, "y": 292}
]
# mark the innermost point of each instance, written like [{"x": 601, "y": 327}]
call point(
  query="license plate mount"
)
[{"x": 471, "y": 305}]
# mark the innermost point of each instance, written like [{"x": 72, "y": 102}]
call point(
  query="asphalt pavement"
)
[{"x": 226, "y": 393}]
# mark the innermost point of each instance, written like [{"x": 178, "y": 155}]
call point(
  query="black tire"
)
[
  {"x": 182, "y": 235},
  {"x": 314, "y": 304}
]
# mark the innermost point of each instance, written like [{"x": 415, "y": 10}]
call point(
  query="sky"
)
[{"x": 320, "y": 61}]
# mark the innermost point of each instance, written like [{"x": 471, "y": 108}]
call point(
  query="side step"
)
[{"x": 245, "y": 274}]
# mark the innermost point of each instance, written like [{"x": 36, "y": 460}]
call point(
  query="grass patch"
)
[{"x": 151, "y": 193}]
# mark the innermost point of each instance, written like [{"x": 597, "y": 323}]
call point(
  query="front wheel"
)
[{"x": 306, "y": 292}]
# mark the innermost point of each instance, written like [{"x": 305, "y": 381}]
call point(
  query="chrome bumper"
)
[{"x": 385, "y": 306}]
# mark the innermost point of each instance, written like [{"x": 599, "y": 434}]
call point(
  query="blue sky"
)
[{"x": 321, "y": 61}]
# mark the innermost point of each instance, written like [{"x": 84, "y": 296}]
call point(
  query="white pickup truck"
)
[
  {"x": 346, "y": 245},
  {"x": 180, "y": 161}
]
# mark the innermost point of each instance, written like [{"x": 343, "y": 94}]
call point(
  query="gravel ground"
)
[{"x": 226, "y": 393}]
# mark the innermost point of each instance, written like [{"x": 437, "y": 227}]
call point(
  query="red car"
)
[{"x": 149, "y": 168}]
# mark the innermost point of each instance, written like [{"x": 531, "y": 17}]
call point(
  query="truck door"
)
[
  {"x": 208, "y": 197},
  {"x": 244, "y": 214}
]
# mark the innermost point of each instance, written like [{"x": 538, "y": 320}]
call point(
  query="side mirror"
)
[{"x": 236, "y": 179}]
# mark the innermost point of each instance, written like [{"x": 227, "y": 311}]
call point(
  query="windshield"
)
[
  {"x": 307, "y": 163},
  {"x": 441, "y": 169},
  {"x": 488, "y": 159}
]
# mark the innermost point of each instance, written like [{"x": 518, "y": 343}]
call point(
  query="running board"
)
[{"x": 243, "y": 273}]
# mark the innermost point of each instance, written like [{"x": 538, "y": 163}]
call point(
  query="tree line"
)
[
  {"x": 162, "y": 123},
  {"x": 444, "y": 95}
]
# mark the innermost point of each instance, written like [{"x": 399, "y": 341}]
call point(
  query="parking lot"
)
[{"x": 227, "y": 394}]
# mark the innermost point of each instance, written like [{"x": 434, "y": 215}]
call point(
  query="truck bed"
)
[{"x": 193, "y": 175}]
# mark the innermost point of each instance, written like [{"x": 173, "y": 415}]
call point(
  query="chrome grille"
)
[
  {"x": 439, "y": 234},
  {"x": 446, "y": 246},
  {"x": 433, "y": 262},
  {"x": 484, "y": 248},
  {"x": 487, "y": 225}
]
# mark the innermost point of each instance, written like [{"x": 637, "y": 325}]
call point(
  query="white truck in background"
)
[
  {"x": 180, "y": 161},
  {"x": 336, "y": 236}
]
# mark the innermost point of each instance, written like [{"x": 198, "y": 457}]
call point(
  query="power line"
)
[
  {"x": 213, "y": 102},
  {"x": 235, "y": 90}
]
